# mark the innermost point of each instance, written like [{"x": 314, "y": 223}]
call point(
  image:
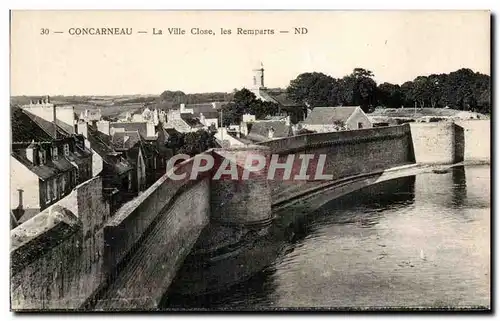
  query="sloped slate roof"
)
[
  {"x": 201, "y": 108},
  {"x": 327, "y": 115},
  {"x": 24, "y": 129},
  {"x": 101, "y": 144},
  {"x": 260, "y": 129},
  {"x": 48, "y": 126},
  {"x": 190, "y": 120},
  {"x": 45, "y": 171},
  {"x": 140, "y": 127},
  {"x": 266, "y": 96},
  {"x": 125, "y": 140}
]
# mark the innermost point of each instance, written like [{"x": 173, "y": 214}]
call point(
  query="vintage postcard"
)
[{"x": 250, "y": 160}]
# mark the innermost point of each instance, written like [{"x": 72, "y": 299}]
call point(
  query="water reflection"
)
[
  {"x": 420, "y": 241},
  {"x": 459, "y": 194}
]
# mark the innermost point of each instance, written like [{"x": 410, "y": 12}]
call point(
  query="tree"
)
[
  {"x": 389, "y": 95},
  {"x": 358, "y": 88},
  {"x": 241, "y": 103},
  {"x": 461, "y": 89},
  {"x": 244, "y": 101},
  {"x": 314, "y": 89},
  {"x": 191, "y": 143}
]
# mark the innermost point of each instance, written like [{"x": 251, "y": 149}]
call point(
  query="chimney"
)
[
  {"x": 54, "y": 123},
  {"x": 183, "y": 107},
  {"x": 20, "y": 204},
  {"x": 103, "y": 126},
  {"x": 150, "y": 129},
  {"x": 82, "y": 128}
]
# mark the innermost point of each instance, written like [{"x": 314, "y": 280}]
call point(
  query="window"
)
[
  {"x": 76, "y": 177},
  {"x": 154, "y": 162},
  {"x": 66, "y": 149},
  {"x": 54, "y": 189},
  {"x": 360, "y": 125},
  {"x": 42, "y": 155},
  {"x": 54, "y": 153},
  {"x": 64, "y": 188},
  {"x": 129, "y": 181},
  {"x": 47, "y": 192}
]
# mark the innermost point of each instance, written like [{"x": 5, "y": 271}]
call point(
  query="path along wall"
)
[
  {"x": 72, "y": 254},
  {"x": 148, "y": 239}
]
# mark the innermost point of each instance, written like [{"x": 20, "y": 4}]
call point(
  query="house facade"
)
[
  {"x": 46, "y": 164},
  {"x": 331, "y": 119}
]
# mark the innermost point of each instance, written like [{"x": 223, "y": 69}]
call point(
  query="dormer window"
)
[
  {"x": 66, "y": 150},
  {"x": 54, "y": 153}
]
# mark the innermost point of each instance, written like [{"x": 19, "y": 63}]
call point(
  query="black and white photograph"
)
[{"x": 250, "y": 160}]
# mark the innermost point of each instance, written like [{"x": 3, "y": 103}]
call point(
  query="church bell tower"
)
[{"x": 258, "y": 77}]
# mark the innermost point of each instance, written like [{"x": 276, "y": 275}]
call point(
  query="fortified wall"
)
[
  {"x": 438, "y": 143},
  {"x": 370, "y": 151},
  {"x": 477, "y": 136},
  {"x": 57, "y": 256},
  {"x": 74, "y": 255},
  {"x": 348, "y": 153}
]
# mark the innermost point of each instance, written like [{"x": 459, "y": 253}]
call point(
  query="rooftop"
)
[
  {"x": 140, "y": 127},
  {"x": 48, "y": 126},
  {"x": 125, "y": 140},
  {"x": 328, "y": 115},
  {"x": 190, "y": 120},
  {"x": 259, "y": 130},
  {"x": 101, "y": 144},
  {"x": 24, "y": 129}
]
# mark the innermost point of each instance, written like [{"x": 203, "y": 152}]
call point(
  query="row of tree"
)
[{"x": 462, "y": 89}]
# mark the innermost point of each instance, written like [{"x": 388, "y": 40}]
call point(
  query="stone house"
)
[
  {"x": 46, "y": 163},
  {"x": 331, "y": 119}
]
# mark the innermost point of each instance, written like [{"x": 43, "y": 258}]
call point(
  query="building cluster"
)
[
  {"x": 53, "y": 150},
  {"x": 193, "y": 117}
]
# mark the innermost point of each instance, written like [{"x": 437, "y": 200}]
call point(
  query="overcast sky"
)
[{"x": 396, "y": 46}]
